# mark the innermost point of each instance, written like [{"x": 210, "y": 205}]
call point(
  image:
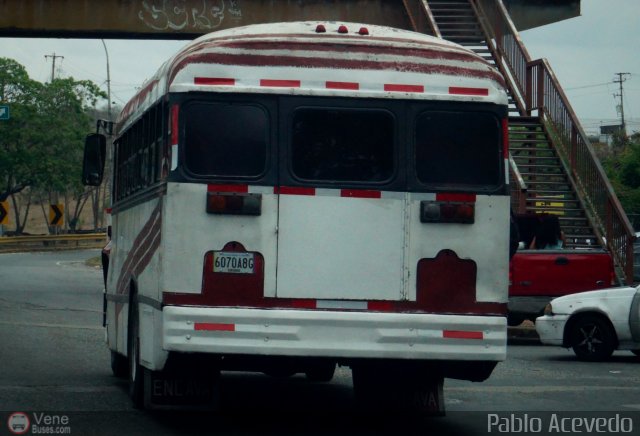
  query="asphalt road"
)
[{"x": 53, "y": 359}]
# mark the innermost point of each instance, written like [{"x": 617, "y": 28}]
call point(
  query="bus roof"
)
[{"x": 323, "y": 59}]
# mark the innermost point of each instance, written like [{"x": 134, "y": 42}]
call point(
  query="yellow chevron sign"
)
[
  {"x": 56, "y": 215},
  {"x": 4, "y": 213}
]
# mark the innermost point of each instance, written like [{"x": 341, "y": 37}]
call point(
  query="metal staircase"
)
[
  {"x": 549, "y": 189},
  {"x": 553, "y": 167}
]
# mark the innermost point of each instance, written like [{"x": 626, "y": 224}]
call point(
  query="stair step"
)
[
  {"x": 526, "y": 144},
  {"x": 532, "y": 153},
  {"x": 539, "y": 165}
]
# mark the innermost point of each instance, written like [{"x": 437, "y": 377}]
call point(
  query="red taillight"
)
[
  {"x": 226, "y": 203},
  {"x": 320, "y": 28},
  {"x": 447, "y": 212},
  {"x": 343, "y": 29}
]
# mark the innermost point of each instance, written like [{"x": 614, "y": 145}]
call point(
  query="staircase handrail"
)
[
  {"x": 412, "y": 8},
  {"x": 521, "y": 186},
  {"x": 431, "y": 19},
  {"x": 546, "y": 95},
  {"x": 549, "y": 99}
]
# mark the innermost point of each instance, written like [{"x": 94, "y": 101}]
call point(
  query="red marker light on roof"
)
[
  {"x": 320, "y": 28},
  {"x": 343, "y": 29},
  {"x": 363, "y": 31}
]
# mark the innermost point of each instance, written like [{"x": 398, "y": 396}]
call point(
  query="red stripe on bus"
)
[
  {"x": 403, "y": 88},
  {"x": 294, "y": 190},
  {"x": 468, "y": 91},
  {"x": 469, "y": 198},
  {"x": 264, "y": 61},
  {"x": 304, "y": 304},
  {"x": 343, "y": 85},
  {"x": 381, "y": 306},
  {"x": 280, "y": 83},
  {"x": 241, "y": 189},
  {"x": 458, "y": 334},
  {"x": 427, "y": 51},
  {"x": 214, "y": 81},
  {"x": 214, "y": 327},
  {"x": 360, "y": 193}
]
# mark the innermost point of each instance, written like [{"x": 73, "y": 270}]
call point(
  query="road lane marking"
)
[{"x": 48, "y": 325}]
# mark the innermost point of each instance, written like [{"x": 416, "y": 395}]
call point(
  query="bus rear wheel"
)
[
  {"x": 119, "y": 365},
  {"x": 136, "y": 376}
]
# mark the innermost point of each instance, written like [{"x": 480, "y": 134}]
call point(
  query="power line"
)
[{"x": 588, "y": 86}]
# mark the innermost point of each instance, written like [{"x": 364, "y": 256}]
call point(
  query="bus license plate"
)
[{"x": 235, "y": 263}]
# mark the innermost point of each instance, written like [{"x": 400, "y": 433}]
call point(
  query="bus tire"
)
[
  {"x": 119, "y": 365},
  {"x": 136, "y": 375}
]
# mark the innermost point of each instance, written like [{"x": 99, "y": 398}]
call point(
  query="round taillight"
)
[
  {"x": 343, "y": 29},
  {"x": 363, "y": 31},
  {"x": 320, "y": 28}
]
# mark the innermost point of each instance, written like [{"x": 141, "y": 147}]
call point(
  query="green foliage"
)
[
  {"x": 41, "y": 145},
  {"x": 623, "y": 169}
]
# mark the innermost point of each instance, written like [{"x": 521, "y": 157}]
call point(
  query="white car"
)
[{"x": 593, "y": 323}]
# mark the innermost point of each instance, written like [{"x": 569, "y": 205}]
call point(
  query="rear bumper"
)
[{"x": 338, "y": 334}]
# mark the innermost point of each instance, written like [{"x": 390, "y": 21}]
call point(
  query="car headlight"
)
[{"x": 548, "y": 310}]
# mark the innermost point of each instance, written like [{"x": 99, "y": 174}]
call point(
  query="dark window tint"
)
[
  {"x": 342, "y": 145},
  {"x": 226, "y": 139},
  {"x": 136, "y": 158},
  {"x": 458, "y": 148}
]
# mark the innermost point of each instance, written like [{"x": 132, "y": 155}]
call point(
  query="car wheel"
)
[
  {"x": 592, "y": 339},
  {"x": 136, "y": 376}
]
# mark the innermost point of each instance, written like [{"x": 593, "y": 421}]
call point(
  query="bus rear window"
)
[
  {"x": 458, "y": 148},
  {"x": 228, "y": 140},
  {"x": 343, "y": 145}
]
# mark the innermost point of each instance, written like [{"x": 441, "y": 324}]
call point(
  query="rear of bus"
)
[{"x": 336, "y": 198}]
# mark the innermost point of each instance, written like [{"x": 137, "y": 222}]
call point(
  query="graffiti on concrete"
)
[{"x": 188, "y": 15}]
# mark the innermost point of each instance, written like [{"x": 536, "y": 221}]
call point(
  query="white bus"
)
[{"x": 290, "y": 197}]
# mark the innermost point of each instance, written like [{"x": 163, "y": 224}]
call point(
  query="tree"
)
[
  {"x": 16, "y": 134},
  {"x": 41, "y": 145},
  {"x": 623, "y": 169}
]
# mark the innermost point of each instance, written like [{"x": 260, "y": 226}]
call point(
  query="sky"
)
[{"x": 585, "y": 53}]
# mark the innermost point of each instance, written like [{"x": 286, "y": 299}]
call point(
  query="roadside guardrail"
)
[{"x": 14, "y": 244}]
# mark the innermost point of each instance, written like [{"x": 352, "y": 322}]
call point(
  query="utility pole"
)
[
  {"x": 56, "y": 198},
  {"x": 106, "y": 194},
  {"x": 53, "y": 65},
  {"x": 620, "y": 80}
]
